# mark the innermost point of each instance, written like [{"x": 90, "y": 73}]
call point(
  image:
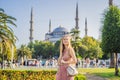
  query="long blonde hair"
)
[{"x": 62, "y": 47}]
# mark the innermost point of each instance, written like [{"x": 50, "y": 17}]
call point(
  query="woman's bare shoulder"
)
[{"x": 71, "y": 49}]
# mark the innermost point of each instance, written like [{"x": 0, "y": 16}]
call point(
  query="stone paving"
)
[{"x": 93, "y": 77}]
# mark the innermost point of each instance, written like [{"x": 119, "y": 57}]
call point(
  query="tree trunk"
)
[
  {"x": 112, "y": 61},
  {"x": 116, "y": 65}
]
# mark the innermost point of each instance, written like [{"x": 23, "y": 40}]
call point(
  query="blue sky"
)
[{"x": 61, "y": 12}]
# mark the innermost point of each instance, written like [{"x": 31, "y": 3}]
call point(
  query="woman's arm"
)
[
  {"x": 59, "y": 61},
  {"x": 73, "y": 56}
]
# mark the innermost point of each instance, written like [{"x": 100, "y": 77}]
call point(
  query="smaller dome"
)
[{"x": 60, "y": 29}]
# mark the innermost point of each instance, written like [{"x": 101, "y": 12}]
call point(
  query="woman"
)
[{"x": 67, "y": 57}]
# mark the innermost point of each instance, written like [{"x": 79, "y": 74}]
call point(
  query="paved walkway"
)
[{"x": 94, "y": 77}]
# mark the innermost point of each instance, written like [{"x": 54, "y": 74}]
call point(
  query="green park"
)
[{"x": 97, "y": 59}]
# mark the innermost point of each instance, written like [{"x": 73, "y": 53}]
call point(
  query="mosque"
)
[{"x": 58, "y": 32}]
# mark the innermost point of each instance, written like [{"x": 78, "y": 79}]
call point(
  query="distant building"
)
[
  {"x": 56, "y": 35},
  {"x": 59, "y": 32}
]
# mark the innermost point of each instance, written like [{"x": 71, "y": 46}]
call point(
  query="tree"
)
[
  {"x": 82, "y": 50},
  {"x": 76, "y": 40},
  {"x": 24, "y": 51},
  {"x": 43, "y": 49},
  {"x": 76, "y": 44},
  {"x": 111, "y": 31},
  {"x": 75, "y": 34},
  {"x": 57, "y": 48},
  {"x": 93, "y": 47},
  {"x": 7, "y": 36}
]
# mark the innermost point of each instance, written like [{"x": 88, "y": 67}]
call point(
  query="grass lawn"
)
[{"x": 103, "y": 72}]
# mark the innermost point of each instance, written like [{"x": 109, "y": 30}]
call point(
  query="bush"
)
[
  {"x": 31, "y": 75},
  {"x": 27, "y": 75},
  {"x": 80, "y": 77}
]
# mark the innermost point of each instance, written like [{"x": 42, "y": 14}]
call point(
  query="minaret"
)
[
  {"x": 49, "y": 25},
  {"x": 86, "y": 27},
  {"x": 31, "y": 26},
  {"x": 110, "y": 2},
  {"x": 76, "y": 18}
]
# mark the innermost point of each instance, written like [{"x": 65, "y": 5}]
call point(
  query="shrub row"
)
[{"x": 31, "y": 75}]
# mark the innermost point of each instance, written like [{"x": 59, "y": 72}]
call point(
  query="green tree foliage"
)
[
  {"x": 57, "y": 48},
  {"x": 87, "y": 46},
  {"x": 23, "y": 52},
  {"x": 82, "y": 50},
  {"x": 43, "y": 49},
  {"x": 76, "y": 45},
  {"x": 111, "y": 31},
  {"x": 6, "y": 34},
  {"x": 75, "y": 34},
  {"x": 76, "y": 41},
  {"x": 92, "y": 47}
]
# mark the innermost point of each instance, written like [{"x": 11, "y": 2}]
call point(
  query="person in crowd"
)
[{"x": 87, "y": 62}]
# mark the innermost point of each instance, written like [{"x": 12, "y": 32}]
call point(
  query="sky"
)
[{"x": 61, "y": 12}]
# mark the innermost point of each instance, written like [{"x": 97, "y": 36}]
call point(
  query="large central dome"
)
[
  {"x": 60, "y": 29},
  {"x": 57, "y": 34}
]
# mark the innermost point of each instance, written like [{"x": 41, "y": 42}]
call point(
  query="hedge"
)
[{"x": 31, "y": 75}]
